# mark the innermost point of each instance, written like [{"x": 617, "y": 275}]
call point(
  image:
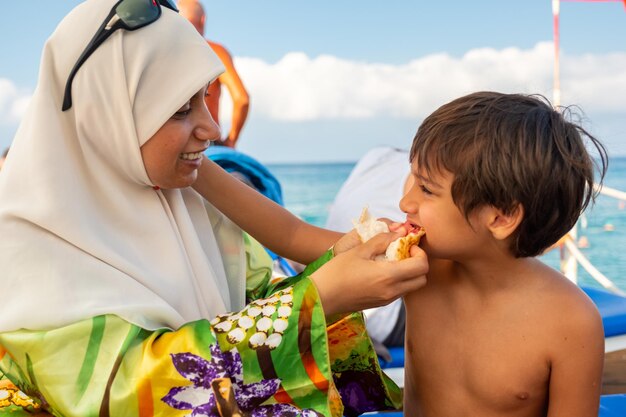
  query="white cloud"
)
[
  {"x": 597, "y": 81},
  {"x": 300, "y": 88},
  {"x": 13, "y": 102}
]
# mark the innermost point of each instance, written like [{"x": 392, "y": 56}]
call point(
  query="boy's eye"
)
[{"x": 425, "y": 190}]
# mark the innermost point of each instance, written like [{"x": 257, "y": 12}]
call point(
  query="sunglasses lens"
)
[{"x": 137, "y": 13}]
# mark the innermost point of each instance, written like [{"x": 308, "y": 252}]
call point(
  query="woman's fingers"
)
[
  {"x": 394, "y": 226},
  {"x": 398, "y": 228},
  {"x": 347, "y": 242},
  {"x": 404, "y": 287},
  {"x": 354, "y": 280},
  {"x": 384, "y": 295},
  {"x": 377, "y": 245},
  {"x": 415, "y": 250},
  {"x": 416, "y": 264}
]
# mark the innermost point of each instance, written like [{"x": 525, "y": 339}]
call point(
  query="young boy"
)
[{"x": 498, "y": 179}]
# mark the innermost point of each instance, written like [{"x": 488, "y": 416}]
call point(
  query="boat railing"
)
[
  {"x": 572, "y": 256},
  {"x": 611, "y": 192}
]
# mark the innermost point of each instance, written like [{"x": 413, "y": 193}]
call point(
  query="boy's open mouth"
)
[{"x": 411, "y": 227}]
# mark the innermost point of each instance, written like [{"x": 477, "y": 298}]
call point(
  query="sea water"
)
[{"x": 309, "y": 190}]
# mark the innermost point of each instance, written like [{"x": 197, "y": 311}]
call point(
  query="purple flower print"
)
[
  {"x": 283, "y": 410},
  {"x": 200, "y": 398}
]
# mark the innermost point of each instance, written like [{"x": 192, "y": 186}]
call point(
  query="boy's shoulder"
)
[
  {"x": 558, "y": 288},
  {"x": 543, "y": 290},
  {"x": 572, "y": 308},
  {"x": 564, "y": 315}
]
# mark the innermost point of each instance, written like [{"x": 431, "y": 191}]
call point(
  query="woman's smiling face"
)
[{"x": 174, "y": 153}]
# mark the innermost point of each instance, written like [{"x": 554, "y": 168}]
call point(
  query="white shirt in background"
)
[{"x": 377, "y": 181}]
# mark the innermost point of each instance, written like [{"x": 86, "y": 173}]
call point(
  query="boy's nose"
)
[{"x": 408, "y": 204}]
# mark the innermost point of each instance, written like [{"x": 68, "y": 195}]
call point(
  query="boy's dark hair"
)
[
  {"x": 510, "y": 149},
  {"x": 5, "y": 153}
]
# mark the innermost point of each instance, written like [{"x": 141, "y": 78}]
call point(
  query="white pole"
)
[
  {"x": 611, "y": 192},
  {"x": 556, "y": 89},
  {"x": 569, "y": 266},
  {"x": 593, "y": 271}
]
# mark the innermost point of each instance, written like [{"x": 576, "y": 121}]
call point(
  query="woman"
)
[{"x": 119, "y": 277}]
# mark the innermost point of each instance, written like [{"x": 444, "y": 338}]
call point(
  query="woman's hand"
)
[
  {"x": 348, "y": 241},
  {"x": 353, "y": 281},
  {"x": 352, "y": 239}
]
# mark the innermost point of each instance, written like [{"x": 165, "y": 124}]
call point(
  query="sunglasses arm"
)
[{"x": 105, "y": 30}]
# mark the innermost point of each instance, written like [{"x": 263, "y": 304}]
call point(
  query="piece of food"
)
[
  {"x": 401, "y": 247},
  {"x": 368, "y": 227}
]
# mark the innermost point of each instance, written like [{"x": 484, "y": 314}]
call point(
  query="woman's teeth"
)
[{"x": 191, "y": 156}]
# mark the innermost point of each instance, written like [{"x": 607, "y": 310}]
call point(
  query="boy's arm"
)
[
  {"x": 269, "y": 223},
  {"x": 576, "y": 371}
]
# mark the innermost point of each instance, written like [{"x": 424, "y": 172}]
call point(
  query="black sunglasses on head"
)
[{"x": 125, "y": 14}]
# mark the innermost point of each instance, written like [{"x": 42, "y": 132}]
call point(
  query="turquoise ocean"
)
[{"x": 309, "y": 190}]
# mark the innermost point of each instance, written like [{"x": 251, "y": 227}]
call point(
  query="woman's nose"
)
[{"x": 207, "y": 129}]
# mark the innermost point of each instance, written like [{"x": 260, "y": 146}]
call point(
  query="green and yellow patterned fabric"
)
[{"x": 276, "y": 357}]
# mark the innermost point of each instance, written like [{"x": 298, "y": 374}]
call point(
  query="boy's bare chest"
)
[{"x": 484, "y": 359}]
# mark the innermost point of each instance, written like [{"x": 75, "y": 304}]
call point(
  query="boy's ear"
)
[{"x": 501, "y": 224}]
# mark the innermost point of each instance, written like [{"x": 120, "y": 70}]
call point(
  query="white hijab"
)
[{"x": 82, "y": 231}]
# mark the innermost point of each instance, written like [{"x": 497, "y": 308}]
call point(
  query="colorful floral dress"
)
[{"x": 279, "y": 356}]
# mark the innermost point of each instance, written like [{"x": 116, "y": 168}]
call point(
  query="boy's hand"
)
[{"x": 354, "y": 281}]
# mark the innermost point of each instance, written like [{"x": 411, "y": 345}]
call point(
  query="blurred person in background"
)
[{"x": 193, "y": 11}]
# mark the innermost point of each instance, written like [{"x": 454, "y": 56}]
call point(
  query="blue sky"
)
[{"x": 330, "y": 79}]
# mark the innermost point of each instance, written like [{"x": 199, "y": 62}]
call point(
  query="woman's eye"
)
[{"x": 183, "y": 112}]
